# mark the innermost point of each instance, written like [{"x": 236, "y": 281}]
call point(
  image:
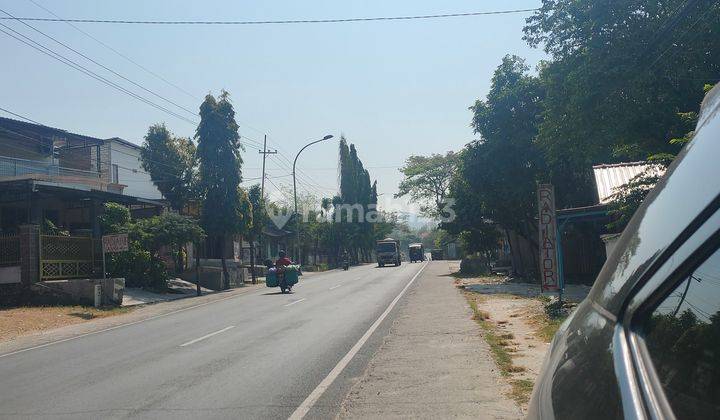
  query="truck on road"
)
[
  {"x": 388, "y": 252},
  {"x": 416, "y": 252}
]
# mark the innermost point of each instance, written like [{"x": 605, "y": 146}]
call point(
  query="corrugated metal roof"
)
[{"x": 609, "y": 177}]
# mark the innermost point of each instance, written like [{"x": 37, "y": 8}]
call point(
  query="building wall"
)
[
  {"x": 130, "y": 172},
  {"x": 24, "y": 149}
]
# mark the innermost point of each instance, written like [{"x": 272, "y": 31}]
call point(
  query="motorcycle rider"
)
[{"x": 283, "y": 261}]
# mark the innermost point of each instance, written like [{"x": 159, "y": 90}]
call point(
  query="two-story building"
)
[{"x": 52, "y": 177}]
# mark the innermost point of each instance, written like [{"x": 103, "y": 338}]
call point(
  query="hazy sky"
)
[{"x": 393, "y": 88}]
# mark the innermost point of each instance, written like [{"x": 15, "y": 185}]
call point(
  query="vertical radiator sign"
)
[{"x": 549, "y": 278}]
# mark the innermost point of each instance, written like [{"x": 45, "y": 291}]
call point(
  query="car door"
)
[{"x": 667, "y": 340}]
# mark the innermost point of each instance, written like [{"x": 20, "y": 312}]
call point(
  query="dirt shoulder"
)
[
  {"x": 433, "y": 363},
  {"x": 18, "y": 322},
  {"x": 25, "y": 327},
  {"x": 518, "y": 324}
]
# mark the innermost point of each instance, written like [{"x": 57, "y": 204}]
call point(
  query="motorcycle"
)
[
  {"x": 346, "y": 265},
  {"x": 284, "y": 277}
]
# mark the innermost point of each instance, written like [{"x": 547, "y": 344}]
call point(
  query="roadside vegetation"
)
[
  {"x": 520, "y": 389},
  {"x": 547, "y": 125},
  {"x": 548, "y": 322},
  {"x": 517, "y": 328}
]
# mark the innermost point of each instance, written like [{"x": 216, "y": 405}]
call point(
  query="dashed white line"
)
[
  {"x": 335, "y": 287},
  {"x": 40, "y": 346},
  {"x": 294, "y": 302},
  {"x": 206, "y": 336}
]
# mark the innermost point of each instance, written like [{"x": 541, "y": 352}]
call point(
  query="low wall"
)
[
  {"x": 211, "y": 274},
  {"x": 83, "y": 290},
  {"x": 9, "y": 275}
]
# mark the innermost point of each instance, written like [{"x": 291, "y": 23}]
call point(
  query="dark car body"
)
[{"x": 599, "y": 365}]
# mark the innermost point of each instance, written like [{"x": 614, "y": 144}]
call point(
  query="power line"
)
[
  {"x": 277, "y": 22},
  {"x": 140, "y": 66},
  {"x": 59, "y": 57},
  {"x": 119, "y": 53},
  {"x": 19, "y": 116},
  {"x": 102, "y": 65}
]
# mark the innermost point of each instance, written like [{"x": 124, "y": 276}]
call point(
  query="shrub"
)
[{"x": 141, "y": 265}]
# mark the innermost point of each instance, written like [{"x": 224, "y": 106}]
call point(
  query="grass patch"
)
[
  {"x": 501, "y": 352},
  {"x": 554, "y": 315},
  {"x": 497, "y": 343},
  {"x": 521, "y": 390},
  {"x": 548, "y": 328}
]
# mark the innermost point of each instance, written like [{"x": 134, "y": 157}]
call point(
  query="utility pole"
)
[{"x": 263, "y": 152}]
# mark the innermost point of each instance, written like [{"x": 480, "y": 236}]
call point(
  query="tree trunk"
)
[
  {"x": 252, "y": 260},
  {"x": 197, "y": 268},
  {"x": 226, "y": 276},
  {"x": 513, "y": 258}
]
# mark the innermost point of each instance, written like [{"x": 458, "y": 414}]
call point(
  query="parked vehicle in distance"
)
[
  {"x": 437, "y": 254},
  {"x": 645, "y": 343},
  {"x": 388, "y": 252},
  {"x": 416, "y": 252}
]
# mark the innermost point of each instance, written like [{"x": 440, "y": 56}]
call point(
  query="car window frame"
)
[{"x": 642, "y": 379}]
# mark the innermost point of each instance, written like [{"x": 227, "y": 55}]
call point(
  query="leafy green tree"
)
[
  {"x": 630, "y": 196},
  {"x": 619, "y": 75},
  {"x": 138, "y": 266},
  {"x": 220, "y": 162},
  {"x": 496, "y": 175},
  {"x": 169, "y": 230},
  {"x": 171, "y": 163},
  {"x": 427, "y": 181}
]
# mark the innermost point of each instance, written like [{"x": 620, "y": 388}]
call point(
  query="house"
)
[
  {"x": 586, "y": 241},
  {"x": 126, "y": 169},
  {"x": 609, "y": 178},
  {"x": 52, "y": 178}
]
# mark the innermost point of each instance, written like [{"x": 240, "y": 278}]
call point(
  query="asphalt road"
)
[{"x": 257, "y": 355}]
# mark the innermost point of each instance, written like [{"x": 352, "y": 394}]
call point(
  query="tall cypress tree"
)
[
  {"x": 218, "y": 153},
  {"x": 355, "y": 189}
]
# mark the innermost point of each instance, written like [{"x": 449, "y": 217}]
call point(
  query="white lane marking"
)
[
  {"x": 124, "y": 325},
  {"x": 335, "y": 287},
  {"x": 206, "y": 336},
  {"x": 315, "y": 395},
  {"x": 294, "y": 302}
]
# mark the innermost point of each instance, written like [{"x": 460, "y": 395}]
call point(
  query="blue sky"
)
[{"x": 392, "y": 88}]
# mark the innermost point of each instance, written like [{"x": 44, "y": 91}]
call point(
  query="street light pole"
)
[{"x": 297, "y": 216}]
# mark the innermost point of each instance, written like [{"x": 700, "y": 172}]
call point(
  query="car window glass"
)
[{"x": 682, "y": 336}]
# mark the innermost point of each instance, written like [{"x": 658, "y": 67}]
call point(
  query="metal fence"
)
[
  {"x": 64, "y": 257},
  {"x": 9, "y": 250},
  {"x": 19, "y": 167}
]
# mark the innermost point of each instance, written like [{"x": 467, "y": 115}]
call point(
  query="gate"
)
[{"x": 66, "y": 257}]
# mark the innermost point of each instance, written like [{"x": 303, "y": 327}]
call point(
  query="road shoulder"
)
[
  {"x": 433, "y": 363},
  {"x": 139, "y": 314}
]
